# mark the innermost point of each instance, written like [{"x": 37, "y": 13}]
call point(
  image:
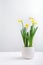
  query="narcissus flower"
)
[
  {"x": 26, "y": 25},
  {"x": 32, "y": 20},
  {"x": 19, "y": 20}
]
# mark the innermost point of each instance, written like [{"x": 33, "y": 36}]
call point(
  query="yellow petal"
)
[{"x": 26, "y": 25}]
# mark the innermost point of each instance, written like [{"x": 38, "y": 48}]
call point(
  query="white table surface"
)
[{"x": 15, "y": 58}]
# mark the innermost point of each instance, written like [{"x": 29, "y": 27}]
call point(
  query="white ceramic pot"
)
[{"x": 28, "y": 52}]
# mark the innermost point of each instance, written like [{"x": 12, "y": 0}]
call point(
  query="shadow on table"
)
[{"x": 19, "y": 58}]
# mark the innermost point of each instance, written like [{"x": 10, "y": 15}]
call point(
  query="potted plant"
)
[{"x": 27, "y": 36}]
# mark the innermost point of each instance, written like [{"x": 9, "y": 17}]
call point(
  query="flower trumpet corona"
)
[
  {"x": 19, "y": 20},
  {"x": 26, "y": 25}
]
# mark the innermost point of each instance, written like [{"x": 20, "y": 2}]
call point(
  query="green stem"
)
[
  {"x": 30, "y": 42},
  {"x": 26, "y": 42},
  {"x": 22, "y": 25}
]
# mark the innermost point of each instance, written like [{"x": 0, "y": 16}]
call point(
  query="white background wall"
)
[{"x": 10, "y": 11}]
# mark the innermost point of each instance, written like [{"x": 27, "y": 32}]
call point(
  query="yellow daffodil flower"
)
[
  {"x": 32, "y": 20},
  {"x": 26, "y": 25},
  {"x": 19, "y": 20}
]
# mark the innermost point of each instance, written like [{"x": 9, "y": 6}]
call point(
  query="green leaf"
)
[
  {"x": 23, "y": 33},
  {"x": 35, "y": 29}
]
